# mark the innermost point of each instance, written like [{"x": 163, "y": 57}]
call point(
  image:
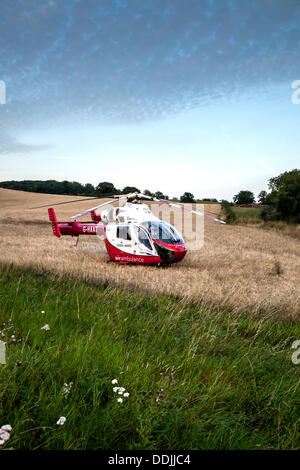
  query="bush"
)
[
  {"x": 229, "y": 214},
  {"x": 268, "y": 214},
  {"x": 285, "y": 195}
]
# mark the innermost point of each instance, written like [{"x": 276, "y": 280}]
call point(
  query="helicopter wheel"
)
[{"x": 163, "y": 265}]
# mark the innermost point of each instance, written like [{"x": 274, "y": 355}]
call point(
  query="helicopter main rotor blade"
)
[
  {"x": 164, "y": 201},
  {"x": 127, "y": 195},
  {"x": 200, "y": 213},
  {"x": 141, "y": 196},
  {"x": 66, "y": 202},
  {"x": 116, "y": 196},
  {"x": 210, "y": 212},
  {"x": 96, "y": 207},
  {"x": 144, "y": 196}
]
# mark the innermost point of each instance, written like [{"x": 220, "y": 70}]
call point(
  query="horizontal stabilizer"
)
[{"x": 95, "y": 217}]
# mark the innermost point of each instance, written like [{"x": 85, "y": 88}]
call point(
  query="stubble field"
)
[{"x": 240, "y": 268}]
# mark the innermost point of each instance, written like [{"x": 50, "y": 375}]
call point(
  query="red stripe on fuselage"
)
[{"x": 127, "y": 258}]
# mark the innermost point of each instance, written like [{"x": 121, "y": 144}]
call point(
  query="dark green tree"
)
[
  {"x": 89, "y": 189},
  {"x": 285, "y": 195},
  {"x": 187, "y": 197},
  {"x": 160, "y": 195},
  {"x": 130, "y": 189},
  {"x": 262, "y": 197},
  {"x": 105, "y": 189},
  {"x": 76, "y": 188},
  {"x": 65, "y": 187},
  {"x": 284, "y": 179},
  {"x": 244, "y": 197}
]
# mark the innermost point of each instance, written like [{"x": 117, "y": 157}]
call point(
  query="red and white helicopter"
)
[{"x": 132, "y": 233}]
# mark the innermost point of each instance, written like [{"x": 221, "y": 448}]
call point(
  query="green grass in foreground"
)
[{"x": 197, "y": 379}]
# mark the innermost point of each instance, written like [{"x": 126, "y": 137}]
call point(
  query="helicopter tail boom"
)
[{"x": 74, "y": 228}]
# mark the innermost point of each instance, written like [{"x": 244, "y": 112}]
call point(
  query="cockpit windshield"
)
[{"x": 162, "y": 231}]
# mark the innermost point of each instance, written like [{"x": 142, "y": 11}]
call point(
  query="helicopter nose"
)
[
  {"x": 179, "y": 252},
  {"x": 170, "y": 252}
]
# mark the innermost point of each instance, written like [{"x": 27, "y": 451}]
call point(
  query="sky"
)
[{"x": 168, "y": 95}]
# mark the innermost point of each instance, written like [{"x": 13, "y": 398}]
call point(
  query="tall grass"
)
[
  {"x": 197, "y": 379},
  {"x": 247, "y": 212},
  {"x": 253, "y": 216}
]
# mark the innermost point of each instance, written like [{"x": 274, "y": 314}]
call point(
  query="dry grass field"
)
[{"x": 241, "y": 268}]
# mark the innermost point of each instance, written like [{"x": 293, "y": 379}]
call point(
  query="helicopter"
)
[{"x": 131, "y": 232}]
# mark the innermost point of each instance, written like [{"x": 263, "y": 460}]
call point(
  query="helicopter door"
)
[
  {"x": 144, "y": 241},
  {"x": 123, "y": 238},
  {"x": 120, "y": 236}
]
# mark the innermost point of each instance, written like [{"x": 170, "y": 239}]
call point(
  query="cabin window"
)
[{"x": 123, "y": 232}]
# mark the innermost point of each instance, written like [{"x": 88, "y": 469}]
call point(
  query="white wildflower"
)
[
  {"x": 5, "y": 433},
  {"x": 115, "y": 389},
  {"x": 114, "y": 381},
  {"x": 67, "y": 388},
  {"x": 45, "y": 327},
  {"x": 126, "y": 394},
  {"x": 61, "y": 420},
  {"x": 6, "y": 427},
  {"x": 43, "y": 311},
  {"x": 120, "y": 400}
]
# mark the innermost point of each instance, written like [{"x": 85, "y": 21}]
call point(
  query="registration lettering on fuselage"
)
[{"x": 89, "y": 228}]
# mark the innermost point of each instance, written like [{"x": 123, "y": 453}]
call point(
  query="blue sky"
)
[{"x": 167, "y": 95}]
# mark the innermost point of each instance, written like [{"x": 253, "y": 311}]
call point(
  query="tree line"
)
[
  {"x": 103, "y": 189},
  {"x": 72, "y": 188},
  {"x": 282, "y": 202}
]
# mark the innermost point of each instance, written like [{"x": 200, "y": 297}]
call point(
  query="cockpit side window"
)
[
  {"x": 163, "y": 232},
  {"x": 143, "y": 238},
  {"x": 123, "y": 232}
]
